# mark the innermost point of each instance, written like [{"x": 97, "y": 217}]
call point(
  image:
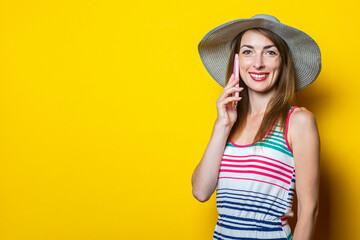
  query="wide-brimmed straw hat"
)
[{"x": 215, "y": 48}]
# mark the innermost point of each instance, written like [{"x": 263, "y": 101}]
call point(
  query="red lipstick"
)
[{"x": 259, "y": 76}]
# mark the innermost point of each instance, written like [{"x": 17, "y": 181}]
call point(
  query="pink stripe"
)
[
  {"x": 256, "y": 181},
  {"x": 259, "y": 161},
  {"x": 259, "y": 156},
  {"x": 287, "y": 128},
  {"x": 256, "y": 172},
  {"x": 256, "y": 166}
]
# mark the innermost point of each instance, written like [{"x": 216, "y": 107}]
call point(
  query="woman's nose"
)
[{"x": 258, "y": 62}]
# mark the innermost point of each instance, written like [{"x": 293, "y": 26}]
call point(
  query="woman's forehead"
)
[{"x": 255, "y": 38}]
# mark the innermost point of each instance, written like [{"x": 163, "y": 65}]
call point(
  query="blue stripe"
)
[
  {"x": 246, "y": 200},
  {"x": 249, "y": 210},
  {"x": 222, "y": 236},
  {"x": 216, "y": 238},
  {"x": 249, "y": 220},
  {"x": 240, "y": 223},
  {"x": 219, "y": 196},
  {"x": 246, "y": 196},
  {"x": 263, "y": 194},
  {"x": 263, "y": 229},
  {"x": 226, "y": 203}
]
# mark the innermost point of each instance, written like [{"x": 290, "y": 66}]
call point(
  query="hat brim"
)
[{"x": 216, "y": 46}]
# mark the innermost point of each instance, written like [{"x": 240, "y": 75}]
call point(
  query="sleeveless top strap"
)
[{"x": 292, "y": 108}]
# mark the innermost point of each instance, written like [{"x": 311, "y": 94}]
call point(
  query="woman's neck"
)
[{"x": 258, "y": 102}]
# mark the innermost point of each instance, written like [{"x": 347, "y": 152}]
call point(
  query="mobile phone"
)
[{"x": 236, "y": 74}]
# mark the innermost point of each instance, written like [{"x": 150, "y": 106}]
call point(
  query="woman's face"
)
[{"x": 260, "y": 62}]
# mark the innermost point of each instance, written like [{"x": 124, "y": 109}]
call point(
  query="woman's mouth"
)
[{"x": 259, "y": 76}]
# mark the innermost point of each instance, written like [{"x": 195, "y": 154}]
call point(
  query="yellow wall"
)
[{"x": 105, "y": 110}]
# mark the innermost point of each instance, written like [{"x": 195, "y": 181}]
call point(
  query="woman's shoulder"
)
[
  {"x": 302, "y": 127},
  {"x": 302, "y": 121},
  {"x": 302, "y": 117}
]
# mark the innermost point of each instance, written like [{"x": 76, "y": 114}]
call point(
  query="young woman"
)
[{"x": 260, "y": 139}]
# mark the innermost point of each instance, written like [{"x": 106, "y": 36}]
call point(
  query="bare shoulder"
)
[
  {"x": 302, "y": 127},
  {"x": 301, "y": 117}
]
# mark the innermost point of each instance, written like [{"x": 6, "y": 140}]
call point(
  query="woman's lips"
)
[{"x": 259, "y": 76}]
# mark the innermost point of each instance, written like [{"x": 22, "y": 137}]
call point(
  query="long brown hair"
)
[{"x": 284, "y": 97}]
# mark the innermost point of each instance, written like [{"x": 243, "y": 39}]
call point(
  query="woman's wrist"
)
[{"x": 221, "y": 130}]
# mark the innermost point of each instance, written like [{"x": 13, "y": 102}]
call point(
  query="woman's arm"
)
[
  {"x": 206, "y": 173},
  {"x": 304, "y": 139},
  {"x": 205, "y": 176}
]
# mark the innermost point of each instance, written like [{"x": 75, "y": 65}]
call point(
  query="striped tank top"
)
[{"x": 256, "y": 188}]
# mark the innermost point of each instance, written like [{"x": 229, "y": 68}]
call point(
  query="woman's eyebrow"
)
[
  {"x": 269, "y": 46},
  {"x": 248, "y": 46},
  {"x": 251, "y": 47}
]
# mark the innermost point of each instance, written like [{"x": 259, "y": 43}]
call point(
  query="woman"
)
[{"x": 256, "y": 146}]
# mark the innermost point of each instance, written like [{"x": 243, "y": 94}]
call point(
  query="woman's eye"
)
[
  {"x": 246, "y": 52},
  {"x": 271, "y": 53}
]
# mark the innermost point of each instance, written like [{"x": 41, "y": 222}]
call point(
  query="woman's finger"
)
[
  {"x": 228, "y": 91},
  {"x": 228, "y": 100},
  {"x": 232, "y": 81}
]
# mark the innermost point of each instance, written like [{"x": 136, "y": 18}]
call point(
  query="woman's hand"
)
[{"x": 226, "y": 113}]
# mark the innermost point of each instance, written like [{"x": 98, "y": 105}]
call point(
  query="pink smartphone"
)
[{"x": 236, "y": 74}]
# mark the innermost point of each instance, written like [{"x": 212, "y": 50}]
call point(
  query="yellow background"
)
[{"x": 106, "y": 109}]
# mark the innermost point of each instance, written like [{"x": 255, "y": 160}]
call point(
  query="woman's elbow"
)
[
  {"x": 316, "y": 211},
  {"x": 200, "y": 195},
  {"x": 310, "y": 210}
]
